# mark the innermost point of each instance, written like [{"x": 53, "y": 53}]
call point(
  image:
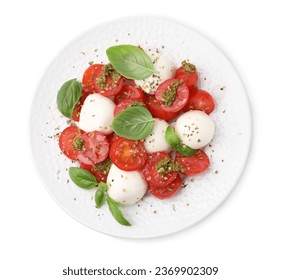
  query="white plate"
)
[{"x": 228, "y": 151}]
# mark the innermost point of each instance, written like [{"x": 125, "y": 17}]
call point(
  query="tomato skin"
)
[
  {"x": 190, "y": 79},
  {"x": 112, "y": 138},
  {"x": 156, "y": 110},
  {"x": 154, "y": 179},
  {"x": 96, "y": 148},
  {"x": 200, "y": 100},
  {"x": 78, "y": 106},
  {"x": 167, "y": 191},
  {"x": 128, "y": 154},
  {"x": 131, "y": 92},
  {"x": 66, "y": 139},
  {"x": 94, "y": 72},
  {"x": 194, "y": 164},
  {"x": 124, "y": 104},
  {"x": 182, "y": 95},
  {"x": 99, "y": 174}
]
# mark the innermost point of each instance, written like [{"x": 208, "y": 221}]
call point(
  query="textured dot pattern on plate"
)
[{"x": 228, "y": 150}]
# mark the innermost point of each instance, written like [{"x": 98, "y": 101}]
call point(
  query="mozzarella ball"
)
[
  {"x": 195, "y": 128},
  {"x": 156, "y": 142},
  {"x": 166, "y": 70},
  {"x": 97, "y": 114},
  {"x": 125, "y": 187}
]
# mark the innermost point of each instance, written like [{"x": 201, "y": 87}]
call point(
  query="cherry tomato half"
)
[
  {"x": 129, "y": 92},
  {"x": 151, "y": 175},
  {"x": 156, "y": 110},
  {"x": 194, "y": 164},
  {"x": 167, "y": 191},
  {"x": 91, "y": 79},
  {"x": 200, "y": 100},
  {"x": 190, "y": 79},
  {"x": 128, "y": 154},
  {"x": 66, "y": 141},
  {"x": 125, "y": 103},
  {"x": 181, "y": 97},
  {"x": 95, "y": 148}
]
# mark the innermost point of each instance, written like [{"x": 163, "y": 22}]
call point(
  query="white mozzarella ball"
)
[
  {"x": 166, "y": 70},
  {"x": 195, "y": 128},
  {"x": 156, "y": 142},
  {"x": 97, "y": 114},
  {"x": 125, "y": 187}
]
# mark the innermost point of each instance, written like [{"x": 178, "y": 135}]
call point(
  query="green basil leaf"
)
[
  {"x": 130, "y": 61},
  {"x": 185, "y": 150},
  {"x": 171, "y": 137},
  {"x": 82, "y": 178},
  {"x": 100, "y": 194},
  {"x": 133, "y": 123},
  {"x": 115, "y": 211},
  {"x": 68, "y": 96}
]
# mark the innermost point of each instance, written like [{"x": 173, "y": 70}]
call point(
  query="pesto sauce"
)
[
  {"x": 169, "y": 96},
  {"x": 166, "y": 165},
  {"x": 188, "y": 67},
  {"x": 104, "y": 166},
  {"x": 107, "y": 70},
  {"x": 78, "y": 143}
]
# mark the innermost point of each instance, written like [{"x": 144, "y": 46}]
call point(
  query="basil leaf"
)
[
  {"x": 115, "y": 211},
  {"x": 185, "y": 150},
  {"x": 171, "y": 137},
  {"x": 133, "y": 123},
  {"x": 100, "y": 194},
  {"x": 130, "y": 61},
  {"x": 82, "y": 178},
  {"x": 68, "y": 96}
]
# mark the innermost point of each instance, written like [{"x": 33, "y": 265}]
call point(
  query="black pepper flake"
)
[
  {"x": 83, "y": 53},
  {"x": 154, "y": 211},
  {"x": 216, "y": 172}
]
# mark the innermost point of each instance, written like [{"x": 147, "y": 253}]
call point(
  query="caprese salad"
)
[{"x": 140, "y": 127}]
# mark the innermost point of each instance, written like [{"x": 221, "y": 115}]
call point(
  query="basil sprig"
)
[
  {"x": 134, "y": 123},
  {"x": 68, "y": 96},
  {"x": 86, "y": 180},
  {"x": 130, "y": 61},
  {"x": 174, "y": 141}
]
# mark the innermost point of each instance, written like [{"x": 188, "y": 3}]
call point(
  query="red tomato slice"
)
[
  {"x": 167, "y": 191},
  {"x": 128, "y": 154},
  {"x": 190, "y": 79},
  {"x": 200, "y": 100},
  {"x": 91, "y": 85},
  {"x": 156, "y": 110},
  {"x": 66, "y": 140},
  {"x": 78, "y": 106},
  {"x": 151, "y": 175},
  {"x": 182, "y": 95},
  {"x": 125, "y": 103},
  {"x": 194, "y": 164},
  {"x": 95, "y": 150},
  {"x": 129, "y": 92},
  {"x": 99, "y": 174}
]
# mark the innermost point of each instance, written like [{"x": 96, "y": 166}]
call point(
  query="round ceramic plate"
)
[{"x": 227, "y": 152}]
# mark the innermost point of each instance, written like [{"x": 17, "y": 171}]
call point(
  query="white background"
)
[{"x": 242, "y": 237}]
